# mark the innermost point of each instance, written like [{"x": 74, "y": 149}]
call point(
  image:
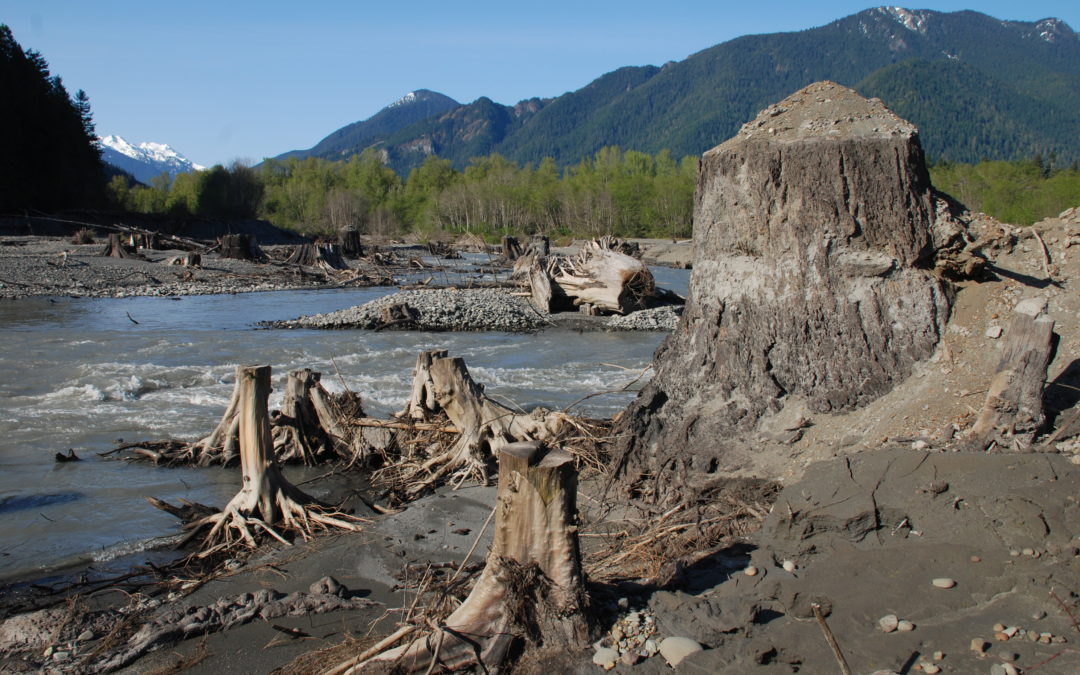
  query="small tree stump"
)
[
  {"x": 397, "y": 315},
  {"x": 1013, "y": 412},
  {"x": 116, "y": 249},
  {"x": 349, "y": 240},
  {"x": 241, "y": 247},
  {"x": 539, "y": 245},
  {"x": 532, "y": 590},
  {"x": 442, "y": 385},
  {"x": 308, "y": 426},
  {"x": 324, "y": 256}
]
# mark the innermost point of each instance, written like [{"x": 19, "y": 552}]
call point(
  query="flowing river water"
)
[{"x": 84, "y": 373}]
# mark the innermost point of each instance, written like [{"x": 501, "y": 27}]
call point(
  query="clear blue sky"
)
[{"x": 234, "y": 79}]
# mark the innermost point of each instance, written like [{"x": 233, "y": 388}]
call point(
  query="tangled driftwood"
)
[
  {"x": 597, "y": 280},
  {"x": 442, "y": 387}
]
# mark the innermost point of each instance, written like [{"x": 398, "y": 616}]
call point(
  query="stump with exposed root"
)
[
  {"x": 310, "y": 427},
  {"x": 267, "y": 502},
  {"x": 442, "y": 386},
  {"x": 531, "y": 594}
]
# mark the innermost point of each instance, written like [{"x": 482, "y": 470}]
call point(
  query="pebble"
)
[
  {"x": 651, "y": 647},
  {"x": 905, "y": 626},
  {"x": 605, "y": 657},
  {"x": 789, "y": 566},
  {"x": 994, "y": 332},
  {"x": 1003, "y": 669},
  {"x": 750, "y": 571},
  {"x": 888, "y": 623},
  {"x": 944, "y": 582},
  {"x": 938, "y": 656},
  {"x": 675, "y": 649},
  {"x": 630, "y": 658},
  {"x": 1028, "y": 551},
  {"x": 976, "y": 559},
  {"x": 1005, "y": 655},
  {"x": 998, "y": 627},
  {"x": 931, "y": 669},
  {"x": 979, "y": 645},
  {"x": 86, "y": 636}
]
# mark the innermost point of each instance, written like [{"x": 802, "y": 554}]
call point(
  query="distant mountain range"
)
[
  {"x": 145, "y": 160},
  {"x": 977, "y": 87}
]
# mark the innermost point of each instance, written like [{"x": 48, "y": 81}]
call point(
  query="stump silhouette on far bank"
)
[
  {"x": 532, "y": 590},
  {"x": 812, "y": 287}
]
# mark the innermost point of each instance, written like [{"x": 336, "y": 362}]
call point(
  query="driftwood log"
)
[
  {"x": 598, "y": 277},
  {"x": 1013, "y": 412},
  {"x": 532, "y": 590},
  {"x": 442, "y": 386},
  {"x": 266, "y": 501}
]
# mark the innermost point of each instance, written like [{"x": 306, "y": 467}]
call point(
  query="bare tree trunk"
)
[
  {"x": 1013, "y": 412},
  {"x": 532, "y": 590},
  {"x": 267, "y": 500},
  {"x": 191, "y": 259}
]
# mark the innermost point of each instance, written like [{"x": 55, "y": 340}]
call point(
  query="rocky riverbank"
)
[{"x": 478, "y": 309}]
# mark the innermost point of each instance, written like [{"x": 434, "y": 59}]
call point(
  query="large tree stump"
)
[
  {"x": 309, "y": 428},
  {"x": 442, "y": 385},
  {"x": 266, "y": 501},
  {"x": 241, "y": 247},
  {"x": 532, "y": 590},
  {"x": 117, "y": 249},
  {"x": 1013, "y": 412},
  {"x": 812, "y": 289}
]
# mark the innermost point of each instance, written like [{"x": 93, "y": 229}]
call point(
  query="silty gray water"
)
[{"x": 81, "y": 373}]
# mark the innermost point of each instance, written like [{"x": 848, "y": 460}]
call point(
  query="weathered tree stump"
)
[
  {"x": 1013, "y": 412},
  {"x": 308, "y": 428},
  {"x": 532, "y": 590},
  {"x": 241, "y": 247},
  {"x": 442, "y": 249},
  {"x": 326, "y": 257},
  {"x": 266, "y": 501},
  {"x": 540, "y": 285},
  {"x": 117, "y": 249},
  {"x": 351, "y": 246},
  {"x": 442, "y": 385}
]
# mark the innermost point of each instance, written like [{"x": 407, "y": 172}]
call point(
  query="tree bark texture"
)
[
  {"x": 1013, "y": 412},
  {"x": 811, "y": 284},
  {"x": 241, "y": 247}
]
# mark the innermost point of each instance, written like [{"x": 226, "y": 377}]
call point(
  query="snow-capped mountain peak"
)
[{"x": 145, "y": 160}]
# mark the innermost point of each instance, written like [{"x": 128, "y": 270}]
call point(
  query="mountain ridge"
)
[
  {"x": 145, "y": 160},
  {"x": 1002, "y": 74}
]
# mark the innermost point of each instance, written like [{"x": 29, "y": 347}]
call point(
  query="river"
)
[{"x": 84, "y": 373}]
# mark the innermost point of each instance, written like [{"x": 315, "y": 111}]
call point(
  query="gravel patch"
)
[
  {"x": 447, "y": 309},
  {"x": 659, "y": 318}
]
